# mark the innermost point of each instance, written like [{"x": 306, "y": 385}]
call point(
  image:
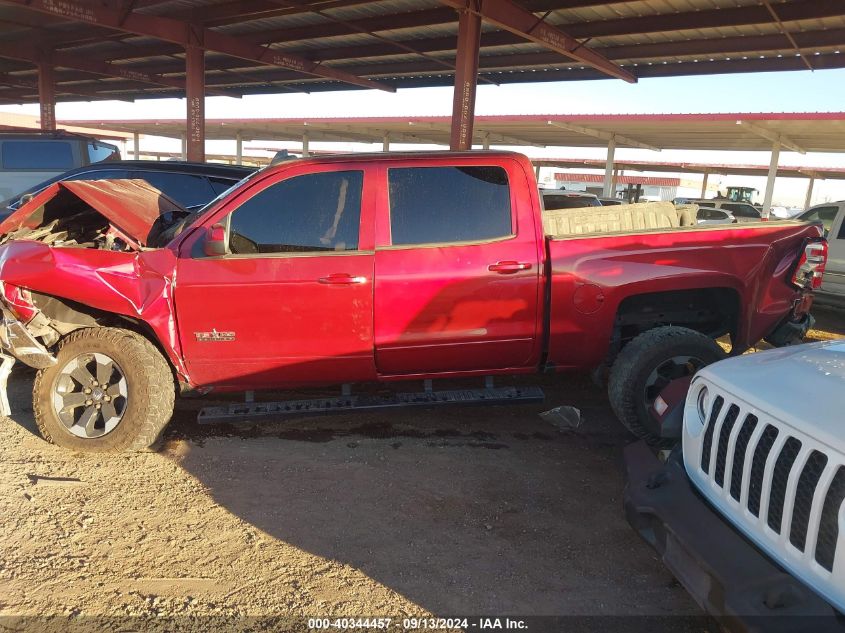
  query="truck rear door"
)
[
  {"x": 291, "y": 302},
  {"x": 457, "y": 269}
]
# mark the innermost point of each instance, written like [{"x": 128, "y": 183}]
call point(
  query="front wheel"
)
[
  {"x": 646, "y": 365},
  {"x": 110, "y": 391}
]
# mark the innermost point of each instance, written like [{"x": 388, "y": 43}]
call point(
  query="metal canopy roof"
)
[
  {"x": 805, "y": 132},
  {"x": 398, "y": 43}
]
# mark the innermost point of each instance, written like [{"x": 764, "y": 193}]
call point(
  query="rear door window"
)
[
  {"x": 102, "y": 151},
  {"x": 308, "y": 213},
  {"x": 825, "y": 215},
  {"x": 443, "y": 205},
  {"x": 38, "y": 155},
  {"x": 189, "y": 190}
]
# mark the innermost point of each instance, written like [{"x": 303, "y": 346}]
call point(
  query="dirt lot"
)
[{"x": 450, "y": 511}]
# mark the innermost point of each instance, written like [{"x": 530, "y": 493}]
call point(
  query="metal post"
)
[
  {"x": 195, "y": 91},
  {"x": 136, "y": 145},
  {"x": 770, "y": 180},
  {"x": 385, "y": 142},
  {"x": 614, "y": 183},
  {"x": 485, "y": 143},
  {"x": 808, "y": 200},
  {"x": 537, "y": 173},
  {"x": 704, "y": 185},
  {"x": 466, "y": 80},
  {"x": 608, "y": 168},
  {"x": 305, "y": 152},
  {"x": 239, "y": 149},
  {"x": 47, "y": 97},
  {"x": 184, "y": 147}
]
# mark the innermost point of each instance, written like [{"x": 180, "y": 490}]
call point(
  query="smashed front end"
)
[{"x": 82, "y": 254}]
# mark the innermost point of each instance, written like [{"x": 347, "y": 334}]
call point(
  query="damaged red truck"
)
[{"x": 363, "y": 268}]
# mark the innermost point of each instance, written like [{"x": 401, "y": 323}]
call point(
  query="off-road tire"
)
[
  {"x": 634, "y": 364},
  {"x": 151, "y": 391}
]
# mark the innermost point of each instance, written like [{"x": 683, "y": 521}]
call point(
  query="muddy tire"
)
[
  {"x": 110, "y": 391},
  {"x": 646, "y": 365}
]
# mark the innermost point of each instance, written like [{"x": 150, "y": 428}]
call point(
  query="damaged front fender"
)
[{"x": 137, "y": 285}]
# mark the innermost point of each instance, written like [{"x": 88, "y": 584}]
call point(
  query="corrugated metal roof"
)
[{"x": 650, "y": 38}]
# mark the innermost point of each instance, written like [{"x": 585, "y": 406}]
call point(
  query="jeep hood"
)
[
  {"x": 131, "y": 207},
  {"x": 799, "y": 385}
]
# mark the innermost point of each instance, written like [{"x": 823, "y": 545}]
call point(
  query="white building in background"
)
[{"x": 653, "y": 187}]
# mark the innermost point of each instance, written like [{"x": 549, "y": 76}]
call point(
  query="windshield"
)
[{"x": 172, "y": 230}]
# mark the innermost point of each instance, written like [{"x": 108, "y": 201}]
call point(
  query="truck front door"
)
[
  {"x": 290, "y": 302},
  {"x": 457, "y": 270}
]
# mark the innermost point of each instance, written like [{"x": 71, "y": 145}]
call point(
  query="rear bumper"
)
[
  {"x": 728, "y": 577},
  {"x": 791, "y": 332}
]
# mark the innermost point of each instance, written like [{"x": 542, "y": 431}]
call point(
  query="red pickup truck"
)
[{"x": 361, "y": 268}]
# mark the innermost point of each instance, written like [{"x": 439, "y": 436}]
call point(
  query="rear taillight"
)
[
  {"x": 19, "y": 302},
  {"x": 810, "y": 268}
]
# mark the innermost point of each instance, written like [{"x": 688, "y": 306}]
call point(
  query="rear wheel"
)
[
  {"x": 110, "y": 391},
  {"x": 646, "y": 365}
]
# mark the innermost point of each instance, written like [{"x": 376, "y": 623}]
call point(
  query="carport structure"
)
[
  {"x": 798, "y": 131},
  {"x": 127, "y": 49}
]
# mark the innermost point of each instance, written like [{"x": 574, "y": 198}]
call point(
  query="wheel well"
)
[
  {"x": 711, "y": 311},
  {"x": 67, "y": 316}
]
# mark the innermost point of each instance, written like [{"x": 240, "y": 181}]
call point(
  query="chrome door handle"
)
[
  {"x": 509, "y": 267},
  {"x": 342, "y": 279}
]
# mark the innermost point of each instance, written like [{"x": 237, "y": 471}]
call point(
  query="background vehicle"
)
[
  {"x": 610, "y": 202},
  {"x": 189, "y": 184},
  {"x": 28, "y": 158},
  {"x": 832, "y": 217},
  {"x": 554, "y": 199},
  {"x": 361, "y": 268},
  {"x": 710, "y": 215},
  {"x": 742, "y": 211},
  {"x": 758, "y": 460}
]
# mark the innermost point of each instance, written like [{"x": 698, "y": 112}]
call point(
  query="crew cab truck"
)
[
  {"x": 748, "y": 513},
  {"x": 360, "y": 268}
]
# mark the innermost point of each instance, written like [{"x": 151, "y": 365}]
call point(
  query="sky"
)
[{"x": 800, "y": 91}]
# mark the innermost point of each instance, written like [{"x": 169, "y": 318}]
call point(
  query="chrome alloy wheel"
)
[{"x": 90, "y": 395}]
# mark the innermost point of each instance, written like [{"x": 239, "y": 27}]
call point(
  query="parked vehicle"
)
[
  {"x": 192, "y": 185},
  {"x": 28, "y": 158},
  {"x": 357, "y": 268},
  {"x": 762, "y": 463},
  {"x": 610, "y": 202},
  {"x": 832, "y": 217},
  {"x": 710, "y": 215},
  {"x": 742, "y": 211},
  {"x": 554, "y": 199}
]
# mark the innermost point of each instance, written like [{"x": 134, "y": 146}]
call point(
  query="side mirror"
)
[{"x": 215, "y": 241}]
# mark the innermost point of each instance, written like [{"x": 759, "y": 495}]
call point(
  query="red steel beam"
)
[
  {"x": 34, "y": 55},
  {"x": 47, "y": 96},
  {"x": 195, "y": 80},
  {"x": 181, "y": 32},
  {"x": 466, "y": 80},
  {"x": 511, "y": 17}
]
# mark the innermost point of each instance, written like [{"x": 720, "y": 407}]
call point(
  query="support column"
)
[
  {"x": 770, "y": 179},
  {"x": 466, "y": 80},
  {"x": 608, "y": 168},
  {"x": 305, "y": 151},
  {"x": 704, "y": 185},
  {"x": 239, "y": 149},
  {"x": 537, "y": 173},
  {"x": 385, "y": 142},
  {"x": 184, "y": 147},
  {"x": 614, "y": 183},
  {"x": 485, "y": 144},
  {"x": 195, "y": 91},
  {"x": 136, "y": 145},
  {"x": 809, "y": 198},
  {"x": 47, "y": 96}
]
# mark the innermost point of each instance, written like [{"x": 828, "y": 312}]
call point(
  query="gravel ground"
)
[{"x": 450, "y": 511}]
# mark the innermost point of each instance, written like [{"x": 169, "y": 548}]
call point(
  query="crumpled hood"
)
[
  {"x": 131, "y": 206},
  {"x": 802, "y": 386}
]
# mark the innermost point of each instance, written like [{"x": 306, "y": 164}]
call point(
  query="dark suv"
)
[{"x": 190, "y": 184}]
